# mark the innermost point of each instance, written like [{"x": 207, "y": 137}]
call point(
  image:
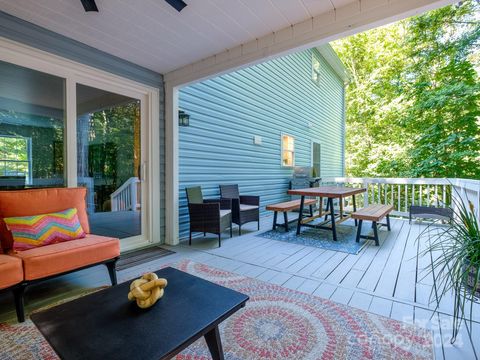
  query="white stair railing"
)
[{"x": 125, "y": 197}]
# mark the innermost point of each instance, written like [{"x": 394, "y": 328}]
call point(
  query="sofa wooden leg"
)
[
  {"x": 18, "y": 294},
  {"x": 112, "y": 271}
]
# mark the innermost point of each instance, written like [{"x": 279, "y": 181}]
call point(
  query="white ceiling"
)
[{"x": 152, "y": 34}]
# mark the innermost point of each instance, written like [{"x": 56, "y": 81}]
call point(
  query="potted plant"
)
[{"x": 456, "y": 264}]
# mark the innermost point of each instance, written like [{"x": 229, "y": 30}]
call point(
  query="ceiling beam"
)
[{"x": 344, "y": 21}]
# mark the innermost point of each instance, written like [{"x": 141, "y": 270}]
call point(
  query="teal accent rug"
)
[{"x": 320, "y": 238}]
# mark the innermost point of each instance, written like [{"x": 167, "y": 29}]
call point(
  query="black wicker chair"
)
[
  {"x": 208, "y": 215},
  {"x": 245, "y": 208}
]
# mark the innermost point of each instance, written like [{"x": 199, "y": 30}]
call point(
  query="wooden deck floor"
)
[{"x": 388, "y": 280}]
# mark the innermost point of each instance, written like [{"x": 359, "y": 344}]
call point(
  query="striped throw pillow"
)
[{"x": 29, "y": 232}]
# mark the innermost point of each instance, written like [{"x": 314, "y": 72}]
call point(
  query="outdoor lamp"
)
[{"x": 183, "y": 118}]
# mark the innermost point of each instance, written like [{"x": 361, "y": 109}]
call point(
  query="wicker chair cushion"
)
[
  {"x": 225, "y": 213},
  {"x": 194, "y": 195},
  {"x": 247, "y": 207}
]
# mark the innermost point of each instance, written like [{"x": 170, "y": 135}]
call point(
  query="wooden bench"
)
[
  {"x": 287, "y": 206},
  {"x": 373, "y": 213}
]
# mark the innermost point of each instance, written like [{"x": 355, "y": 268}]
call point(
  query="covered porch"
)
[{"x": 390, "y": 280}]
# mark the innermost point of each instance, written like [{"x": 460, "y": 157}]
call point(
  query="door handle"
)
[{"x": 143, "y": 172}]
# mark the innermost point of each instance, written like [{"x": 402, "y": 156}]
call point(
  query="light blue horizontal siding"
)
[{"x": 266, "y": 100}]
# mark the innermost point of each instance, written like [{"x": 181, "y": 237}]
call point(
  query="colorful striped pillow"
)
[{"x": 29, "y": 232}]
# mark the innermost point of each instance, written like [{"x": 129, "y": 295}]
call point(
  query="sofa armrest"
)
[
  {"x": 200, "y": 213},
  {"x": 250, "y": 200},
  {"x": 234, "y": 206}
]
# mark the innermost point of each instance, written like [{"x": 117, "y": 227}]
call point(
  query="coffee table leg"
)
[
  {"x": 300, "y": 214},
  {"x": 214, "y": 343}
]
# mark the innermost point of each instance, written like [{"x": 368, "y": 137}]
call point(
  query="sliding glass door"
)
[
  {"x": 109, "y": 160},
  {"x": 63, "y": 124},
  {"x": 32, "y": 121}
]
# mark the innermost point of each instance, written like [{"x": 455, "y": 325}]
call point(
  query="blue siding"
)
[{"x": 267, "y": 100}]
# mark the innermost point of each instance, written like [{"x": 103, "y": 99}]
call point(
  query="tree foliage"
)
[{"x": 413, "y": 102}]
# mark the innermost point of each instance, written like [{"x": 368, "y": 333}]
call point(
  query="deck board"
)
[{"x": 377, "y": 264}]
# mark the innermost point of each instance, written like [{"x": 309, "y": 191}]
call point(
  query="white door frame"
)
[
  {"x": 171, "y": 165},
  {"x": 73, "y": 72}
]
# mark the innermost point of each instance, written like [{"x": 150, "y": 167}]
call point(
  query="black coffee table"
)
[{"x": 105, "y": 325}]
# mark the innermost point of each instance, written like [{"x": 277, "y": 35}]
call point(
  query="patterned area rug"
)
[
  {"x": 277, "y": 323},
  {"x": 22, "y": 341},
  {"x": 346, "y": 235}
]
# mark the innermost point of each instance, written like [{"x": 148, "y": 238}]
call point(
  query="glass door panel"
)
[
  {"x": 109, "y": 160},
  {"x": 32, "y": 117}
]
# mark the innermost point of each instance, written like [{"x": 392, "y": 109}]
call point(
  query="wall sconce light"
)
[{"x": 183, "y": 118}]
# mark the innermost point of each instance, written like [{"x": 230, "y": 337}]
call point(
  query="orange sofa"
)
[
  {"x": 11, "y": 276},
  {"x": 56, "y": 259}
]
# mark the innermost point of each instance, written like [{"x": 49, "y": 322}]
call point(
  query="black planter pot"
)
[{"x": 472, "y": 279}]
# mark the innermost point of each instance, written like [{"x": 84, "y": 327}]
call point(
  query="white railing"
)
[
  {"x": 467, "y": 190},
  {"x": 404, "y": 192},
  {"x": 126, "y": 196}
]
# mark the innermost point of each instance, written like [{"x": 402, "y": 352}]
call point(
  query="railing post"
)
[
  {"x": 365, "y": 196},
  {"x": 133, "y": 195},
  {"x": 113, "y": 202}
]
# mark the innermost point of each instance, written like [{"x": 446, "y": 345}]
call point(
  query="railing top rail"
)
[
  {"x": 405, "y": 181},
  {"x": 124, "y": 186}
]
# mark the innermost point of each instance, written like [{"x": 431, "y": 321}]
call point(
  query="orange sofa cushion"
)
[
  {"x": 40, "y": 201},
  {"x": 62, "y": 257},
  {"x": 11, "y": 271}
]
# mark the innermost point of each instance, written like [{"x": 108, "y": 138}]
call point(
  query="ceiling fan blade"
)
[
  {"x": 177, "y": 4},
  {"x": 89, "y": 5}
]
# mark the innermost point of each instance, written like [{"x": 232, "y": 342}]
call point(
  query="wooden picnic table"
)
[{"x": 330, "y": 193}]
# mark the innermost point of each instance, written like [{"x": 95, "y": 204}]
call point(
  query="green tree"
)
[
  {"x": 413, "y": 98},
  {"x": 445, "y": 93}
]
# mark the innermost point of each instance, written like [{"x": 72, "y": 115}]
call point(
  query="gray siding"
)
[
  {"x": 30, "y": 34},
  {"x": 267, "y": 100}
]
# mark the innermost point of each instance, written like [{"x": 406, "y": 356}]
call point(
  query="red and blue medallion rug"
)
[{"x": 277, "y": 323}]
